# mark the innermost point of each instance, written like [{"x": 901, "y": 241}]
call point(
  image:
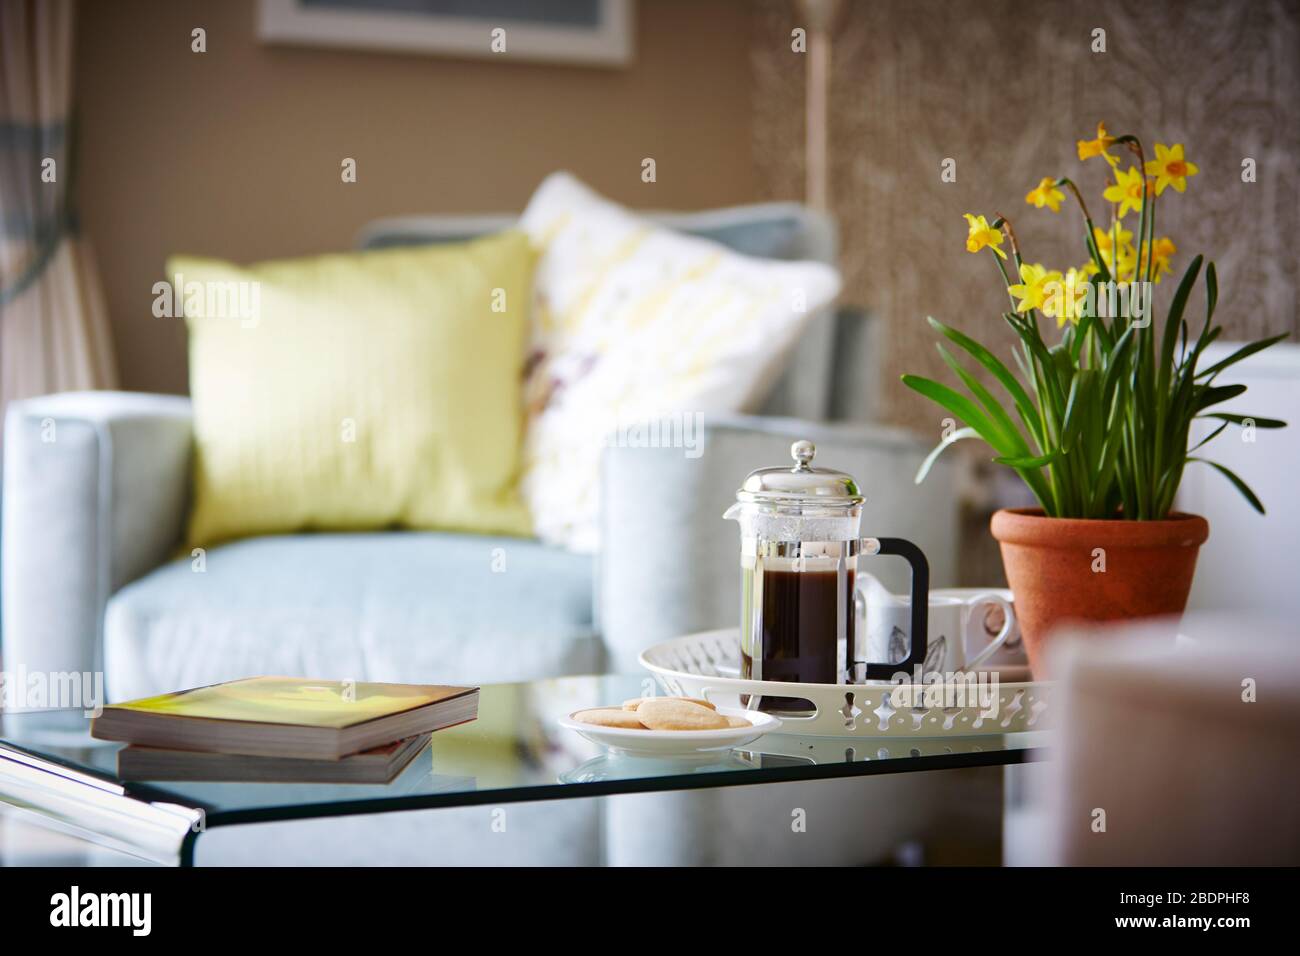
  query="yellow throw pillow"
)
[{"x": 358, "y": 391}]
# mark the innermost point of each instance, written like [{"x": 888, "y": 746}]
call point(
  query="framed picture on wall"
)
[{"x": 584, "y": 32}]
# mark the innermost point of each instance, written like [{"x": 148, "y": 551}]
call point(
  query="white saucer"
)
[{"x": 666, "y": 742}]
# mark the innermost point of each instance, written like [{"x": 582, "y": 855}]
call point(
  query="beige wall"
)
[
  {"x": 1006, "y": 88},
  {"x": 235, "y": 152}
]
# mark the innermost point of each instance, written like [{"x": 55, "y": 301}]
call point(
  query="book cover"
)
[
  {"x": 287, "y": 716},
  {"x": 293, "y": 701}
]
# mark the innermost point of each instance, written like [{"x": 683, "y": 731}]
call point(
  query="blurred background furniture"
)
[
  {"x": 1249, "y": 564},
  {"x": 1175, "y": 745},
  {"x": 92, "y": 520}
]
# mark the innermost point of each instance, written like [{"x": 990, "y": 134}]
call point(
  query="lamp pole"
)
[{"x": 820, "y": 16}]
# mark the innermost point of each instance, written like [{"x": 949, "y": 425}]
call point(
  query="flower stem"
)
[
  {"x": 1011, "y": 234},
  {"x": 1006, "y": 279},
  {"x": 1135, "y": 145},
  {"x": 1078, "y": 197}
]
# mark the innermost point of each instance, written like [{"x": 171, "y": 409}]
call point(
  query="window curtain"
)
[{"x": 54, "y": 333}]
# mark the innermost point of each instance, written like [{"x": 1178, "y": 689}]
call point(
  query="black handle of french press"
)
[{"x": 920, "y": 637}]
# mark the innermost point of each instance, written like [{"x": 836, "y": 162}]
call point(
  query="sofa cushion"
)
[
  {"x": 358, "y": 391},
  {"x": 408, "y": 607},
  {"x": 634, "y": 323}
]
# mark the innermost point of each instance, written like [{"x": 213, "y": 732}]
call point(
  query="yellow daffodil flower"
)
[
  {"x": 1098, "y": 147},
  {"x": 1160, "y": 255},
  {"x": 981, "y": 235},
  {"x": 1121, "y": 270},
  {"x": 1033, "y": 289},
  {"x": 1128, "y": 191},
  {"x": 1065, "y": 297},
  {"x": 1103, "y": 238},
  {"x": 1170, "y": 168},
  {"x": 1046, "y": 195}
]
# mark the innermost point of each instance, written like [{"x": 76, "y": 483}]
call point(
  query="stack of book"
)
[{"x": 282, "y": 730}]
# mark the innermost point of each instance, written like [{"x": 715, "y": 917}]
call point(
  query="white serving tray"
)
[{"x": 706, "y": 664}]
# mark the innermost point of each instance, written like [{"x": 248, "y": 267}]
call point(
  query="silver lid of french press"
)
[{"x": 803, "y": 482}]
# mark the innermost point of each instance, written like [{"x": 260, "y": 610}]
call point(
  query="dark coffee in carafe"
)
[{"x": 801, "y": 615}]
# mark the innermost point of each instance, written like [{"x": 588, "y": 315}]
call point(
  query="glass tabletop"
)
[{"x": 516, "y": 751}]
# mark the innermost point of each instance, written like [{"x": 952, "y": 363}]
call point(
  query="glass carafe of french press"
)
[{"x": 799, "y": 549}]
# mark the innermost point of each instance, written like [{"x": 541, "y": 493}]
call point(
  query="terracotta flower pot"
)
[{"x": 1054, "y": 568}]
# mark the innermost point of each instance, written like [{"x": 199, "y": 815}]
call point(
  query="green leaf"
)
[
  {"x": 1209, "y": 332},
  {"x": 1116, "y": 362},
  {"x": 1244, "y": 352},
  {"x": 963, "y": 408},
  {"x": 1240, "y": 485},
  {"x": 969, "y": 412},
  {"x": 1073, "y": 339},
  {"x": 952, "y": 439},
  {"x": 1208, "y": 438},
  {"x": 1030, "y": 462},
  {"x": 1178, "y": 305},
  {"x": 1105, "y": 474},
  {"x": 1215, "y": 395},
  {"x": 1028, "y": 333},
  {"x": 1242, "y": 419},
  {"x": 1028, "y": 413},
  {"x": 1211, "y": 292},
  {"x": 1023, "y": 366},
  {"x": 997, "y": 413},
  {"x": 1208, "y": 339},
  {"x": 1172, "y": 324},
  {"x": 1073, "y": 418}
]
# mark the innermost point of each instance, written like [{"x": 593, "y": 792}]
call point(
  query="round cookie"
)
[
  {"x": 610, "y": 717},
  {"x": 663, "y": 713},
  {"x": 635, "y": 702}
]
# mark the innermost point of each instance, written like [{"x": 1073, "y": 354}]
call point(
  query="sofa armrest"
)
[
  {"x": 95, "y": 490},
  {"x": 669, "y": 564}
]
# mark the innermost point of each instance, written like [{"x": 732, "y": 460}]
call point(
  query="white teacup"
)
[
  {"x": 987, "y": 620},
  {"x": 958, "y": 638}
]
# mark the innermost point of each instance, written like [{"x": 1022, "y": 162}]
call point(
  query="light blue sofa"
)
[{"x": 92, "y": 578}]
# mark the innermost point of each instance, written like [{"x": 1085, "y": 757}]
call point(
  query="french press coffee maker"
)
[{"x": 799, "y": 549}]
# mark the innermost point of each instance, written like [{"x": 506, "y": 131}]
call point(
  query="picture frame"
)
[{"x": 576, "y": 32}]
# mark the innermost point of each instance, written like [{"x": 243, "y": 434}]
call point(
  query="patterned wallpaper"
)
[{"x": 1005, "y": 89}]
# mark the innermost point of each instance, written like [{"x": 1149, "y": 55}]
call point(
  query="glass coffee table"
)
[{"x": 52, "y": 771}]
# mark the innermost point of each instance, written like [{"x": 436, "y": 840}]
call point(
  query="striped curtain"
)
[{"x": 54, "y": 333}]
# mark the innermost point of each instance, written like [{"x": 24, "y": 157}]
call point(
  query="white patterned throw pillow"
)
[{"x": 639, "y": 333}]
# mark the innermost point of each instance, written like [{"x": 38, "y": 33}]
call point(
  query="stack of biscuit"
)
[{"x": 661, "y": 713}]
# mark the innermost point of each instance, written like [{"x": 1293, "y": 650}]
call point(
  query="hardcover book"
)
[
  {"x": 376, "y": 765},
  {"x": 287, "y": 717}
]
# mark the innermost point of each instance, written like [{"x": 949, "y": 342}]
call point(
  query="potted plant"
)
[{"x": 1097, "y": 422}]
